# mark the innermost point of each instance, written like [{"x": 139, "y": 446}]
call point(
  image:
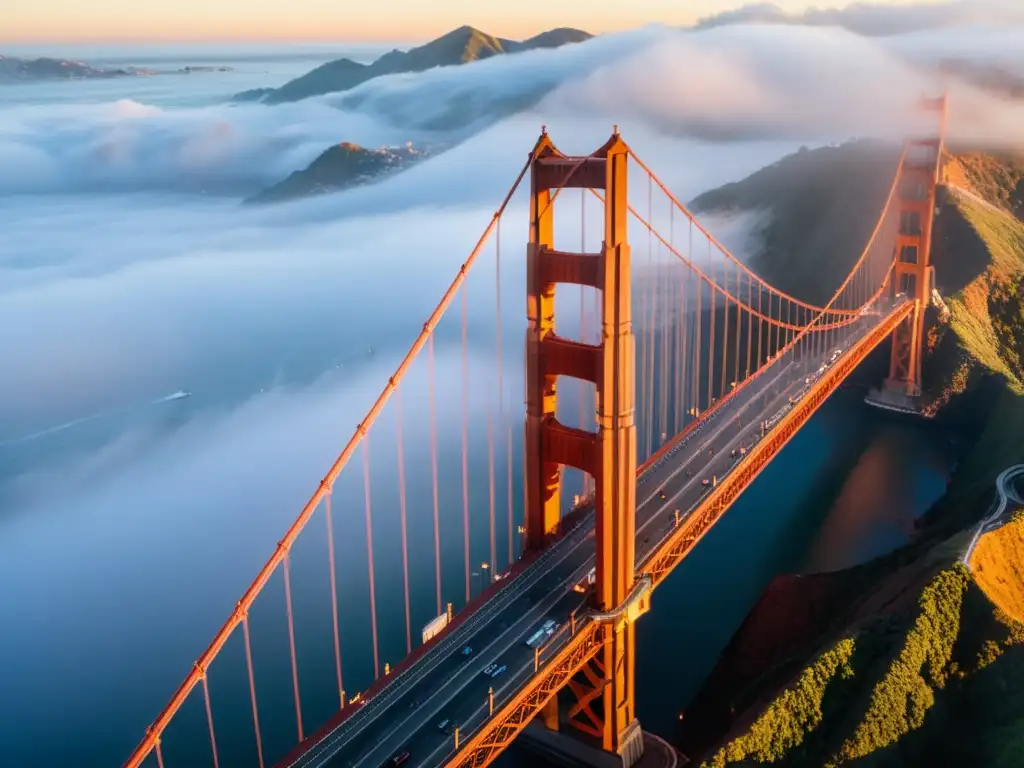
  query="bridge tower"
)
[
  {"x": 610, "y": 454},
  {"x": 913, "y": 274}
]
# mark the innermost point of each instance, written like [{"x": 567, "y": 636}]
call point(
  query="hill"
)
[
  {"x": 805, "y": 220},
  {"x": 342, "y": 166},
  {"x": 460, "y": 46},
  {"x": 910, "y": 659},
  {"x": 13, "y": 69},
  {"x": 17, "y": 69}
]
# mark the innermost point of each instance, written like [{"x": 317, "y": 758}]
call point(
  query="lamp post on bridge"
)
[{"x": 485, "y": 569}]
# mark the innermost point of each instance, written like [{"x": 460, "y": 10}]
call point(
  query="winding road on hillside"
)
[{"x": 1005, "y": 493}]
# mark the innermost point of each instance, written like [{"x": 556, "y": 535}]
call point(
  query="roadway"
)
[
  {"x": 404, "y": 716},
  {"x": 1005, "y": 493}
]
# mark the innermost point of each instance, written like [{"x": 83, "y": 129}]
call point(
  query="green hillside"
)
[
  {"x": 910, "y": 659},
  {"x": 938, "y": 682},
  {"x": 823, "y": 204}
]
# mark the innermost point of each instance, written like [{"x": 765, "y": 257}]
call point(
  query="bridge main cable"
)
[{"x": 711, "y": 238}]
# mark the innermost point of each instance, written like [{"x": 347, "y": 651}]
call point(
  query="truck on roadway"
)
[{"x": 546, "y": 630}]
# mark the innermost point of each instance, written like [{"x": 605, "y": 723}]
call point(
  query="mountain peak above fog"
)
[{"x": 460, "y": 46}]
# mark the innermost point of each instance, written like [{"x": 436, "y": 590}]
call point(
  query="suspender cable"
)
[
  {"x": 711, "y": 342},
  {"x": 402, "y": 517},
  {"x": 760, "y": 327},
  {"x": 252, "y": 689},
  {"x": 725, "y": 332},
  {"x": 582, "y": 385},
  {"x": 433, "y": 468},
  {"x": 678, "y": 339},
  {"x": 291, "y": 641},
  {"x": 465, "y": 437},
  {"x": 681, "y": 399},
  {"x": 334, "y": 599},
  {"x": 501, "y": 388},
  {"x": 665, "y": 327},
  {"x": 750, "y": 327},
  {"x": 209, "y": 722},
  {"x": 641, "y": 435},
  {"x": 777, "y": 316},
  {"x": 490, "y": 482},
  {"x": 369, "y": 555},
  {"x": 736, "y": 378},
  {"x": 159, "y": 756},
  {"x": 698, "y": 345},
  {"x": 511, "y": 524},
  {"x": 651, "y": 320}
]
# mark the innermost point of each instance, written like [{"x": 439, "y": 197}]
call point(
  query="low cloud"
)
[
  {"x": 876, "y": 19},
  {"x": 120, "y": 284}
]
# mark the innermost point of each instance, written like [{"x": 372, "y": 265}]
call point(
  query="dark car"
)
[
  {"x": 467, "y": 651},
  {"x": 399, "y": 759}
]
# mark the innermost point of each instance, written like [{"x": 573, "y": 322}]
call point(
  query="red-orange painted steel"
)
[
  {"x": 209, "y": 722},
  {"x": 402, "y": 520},
  {"x": 291, "y": 643},
  {"x": 465, "y": 439},
  {"x": 433, "y": 470},
  {"x": 369, "y": 557},
  {"x": 334, "y": 600},
  {"x": 252, "y": 690}
]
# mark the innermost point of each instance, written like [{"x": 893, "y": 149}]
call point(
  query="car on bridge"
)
[
  {"x": 400, "y": 759},
  {"x": 446, "y": 726},
  {"x": 583, "y": 584},
  {"x": 546, "y": 630},
  {"x": 466, "y": 651}
]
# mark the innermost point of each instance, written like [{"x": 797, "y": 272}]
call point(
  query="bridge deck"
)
[{"x": 403, "y": 712}]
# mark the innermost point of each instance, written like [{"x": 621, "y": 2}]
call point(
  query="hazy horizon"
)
[{"x": 193, "y": 21}]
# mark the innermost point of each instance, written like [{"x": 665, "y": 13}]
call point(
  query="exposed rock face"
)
[
  {"x": 460, "y": 46},
  {"x": 340, "y": 167}
]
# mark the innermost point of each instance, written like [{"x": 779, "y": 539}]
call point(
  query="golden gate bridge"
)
[{"x": 692, "y": 373}]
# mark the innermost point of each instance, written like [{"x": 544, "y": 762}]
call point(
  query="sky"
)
[{"x": 383, "y": 20}]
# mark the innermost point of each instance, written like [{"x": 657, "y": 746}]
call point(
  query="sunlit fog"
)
[{"x": 130, "y": 519}]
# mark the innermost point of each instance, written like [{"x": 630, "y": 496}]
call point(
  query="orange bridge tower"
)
[
  {"x": 608, "y": 455},
  {"x": 913, "y": 275}
]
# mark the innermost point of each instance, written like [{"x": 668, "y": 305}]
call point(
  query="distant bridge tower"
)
[
  {"x": 913, "y": 275},
  {"x": 610, "y": 454}
]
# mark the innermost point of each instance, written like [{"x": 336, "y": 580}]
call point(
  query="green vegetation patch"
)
[
  {"x": 940, "y": 683},
  {"x": 788, "y": 719},
  {"x": 904, "y": 695},
  {"x": 988, "y": 314}
]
